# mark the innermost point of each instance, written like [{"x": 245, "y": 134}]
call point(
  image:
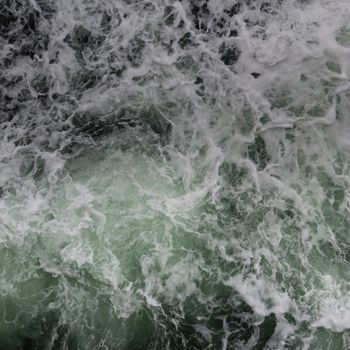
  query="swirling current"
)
[{"x": 174, "y": 174}]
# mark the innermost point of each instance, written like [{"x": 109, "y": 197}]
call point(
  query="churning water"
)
[{"x": 174, "y": 174}]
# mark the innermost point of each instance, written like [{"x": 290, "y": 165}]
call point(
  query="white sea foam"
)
[{"x": 178, "y": 168}]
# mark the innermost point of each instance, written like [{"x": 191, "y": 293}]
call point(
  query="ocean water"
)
[{"x": 174, "y": 174}]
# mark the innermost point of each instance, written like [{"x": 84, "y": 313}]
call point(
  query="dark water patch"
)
[
  {"x": 233, "y": 10},
  {"x": 257, "y": 152},
  {"x": 266, "y": 331},
  {"x": 229, "y": 55},
  {"x": 135, "y": 51},
  {"x": 232, "y": 173},
  {"x": 20, "y": 27},
  {"x": 170, "y": 15}
]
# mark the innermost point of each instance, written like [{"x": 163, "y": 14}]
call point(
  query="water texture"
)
[{"x": 174, "y": 174}]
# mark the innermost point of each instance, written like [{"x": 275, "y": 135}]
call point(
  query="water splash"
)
[{"x": 174, "y": 174}]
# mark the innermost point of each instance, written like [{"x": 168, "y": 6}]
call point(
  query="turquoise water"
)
[{"x": 174, "y": 175}]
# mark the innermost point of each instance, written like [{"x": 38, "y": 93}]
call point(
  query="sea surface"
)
[{"x": 174, "y": 174}]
